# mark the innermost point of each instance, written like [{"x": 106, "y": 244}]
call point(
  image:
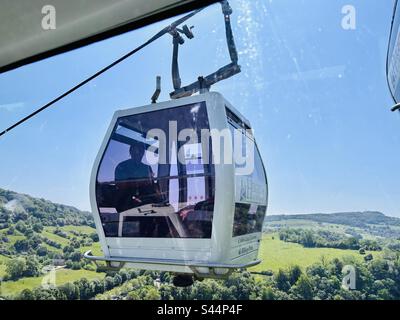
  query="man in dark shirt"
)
[
  {"x": 134, "y": 168},
  {"x": 136, "y": 187}
]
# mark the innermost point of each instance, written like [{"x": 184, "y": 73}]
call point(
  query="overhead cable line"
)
[{"x": 164, "y": 31}]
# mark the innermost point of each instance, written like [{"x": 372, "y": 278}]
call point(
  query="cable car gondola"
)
[
  {"x": 180, "y": 185},
  {"x": 186, "y": 214}
]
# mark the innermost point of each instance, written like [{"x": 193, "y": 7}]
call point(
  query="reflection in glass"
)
[
  {"x": 138, "y": 198},
  {"x": 251, "y": 189}
]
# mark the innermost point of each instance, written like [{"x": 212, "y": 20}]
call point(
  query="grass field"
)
[
  {"x": 83, "y": 229},
  {"x": 3, "y": 260},
  {"x": 276, "y": 254},
  {"x": 11, "y": 288},
  {"x": 2, "y": 270},
  {"x": 95, "y": 247},
  {"x": 55, "y": 238},
  {"x": 14, "y": 239}
]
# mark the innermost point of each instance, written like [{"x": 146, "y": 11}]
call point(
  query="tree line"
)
[
  {"x": 374, "y": 280},
  {"x": 327, "y": 239}
]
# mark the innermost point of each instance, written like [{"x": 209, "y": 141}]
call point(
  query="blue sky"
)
[{"x": 316, "y": 95}]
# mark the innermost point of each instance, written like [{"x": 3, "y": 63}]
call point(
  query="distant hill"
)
[
  {"x": 369, "y": 222},
  {"x": 15, "y": 206},
  {"x": 353, "y": 219}
]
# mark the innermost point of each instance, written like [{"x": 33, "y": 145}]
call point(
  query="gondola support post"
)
[{"x": 157, "y": 92}]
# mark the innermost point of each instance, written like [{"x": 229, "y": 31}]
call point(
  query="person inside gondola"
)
[
  {"x": 134, "y": 180},
  {"x": 134, "y": 168}
]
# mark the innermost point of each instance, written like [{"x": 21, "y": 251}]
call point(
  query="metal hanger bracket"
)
[{"x": 203, "y": 84}]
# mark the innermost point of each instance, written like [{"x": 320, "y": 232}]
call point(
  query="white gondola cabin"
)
[{"x": 169, "y": 193}]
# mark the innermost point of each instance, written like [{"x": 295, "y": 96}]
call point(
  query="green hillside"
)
[{"x": 35, "y": 233}]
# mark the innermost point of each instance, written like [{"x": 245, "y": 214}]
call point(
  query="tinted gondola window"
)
[
  {"x": 252, "y": 193},
  {"x": 249, "y": 218},
  {"x": 250, "y": 185},
  {"x": 393, "y": 62},
  {"x": 159, "y": 186}
]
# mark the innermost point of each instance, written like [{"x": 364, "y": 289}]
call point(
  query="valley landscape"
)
[{"x": 42, "y": 243}]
